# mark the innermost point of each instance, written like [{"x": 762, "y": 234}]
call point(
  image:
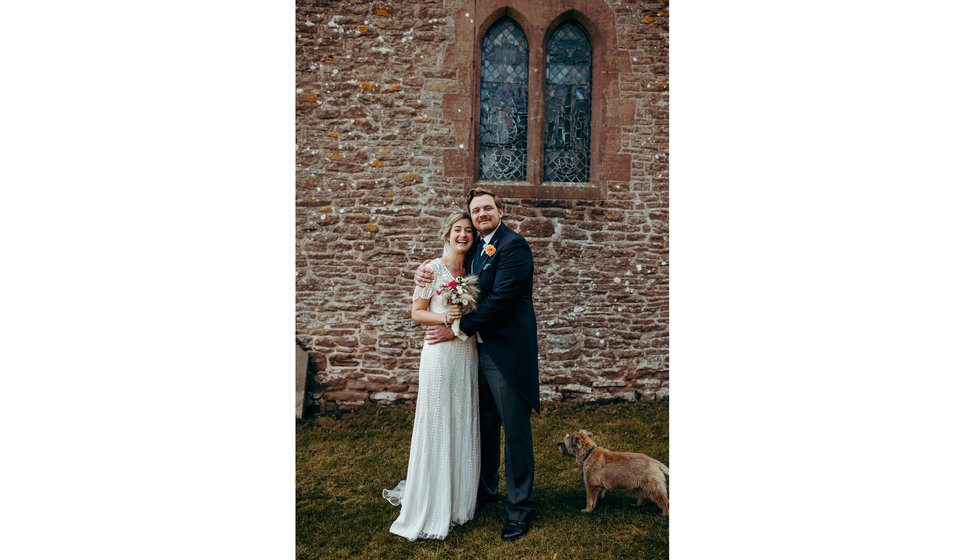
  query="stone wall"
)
[{"x": 378, "y": 157}]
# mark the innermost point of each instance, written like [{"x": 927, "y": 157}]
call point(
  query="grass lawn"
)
[{"x": 345, "y": 459}]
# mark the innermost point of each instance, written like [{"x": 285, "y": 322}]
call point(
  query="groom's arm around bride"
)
[{"x": 507, "y": 343}]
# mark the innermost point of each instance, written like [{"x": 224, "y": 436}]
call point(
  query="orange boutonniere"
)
[{"x": 490, "y": 250}]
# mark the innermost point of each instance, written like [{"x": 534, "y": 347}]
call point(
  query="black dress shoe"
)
[{"x": 514, "y": 530}]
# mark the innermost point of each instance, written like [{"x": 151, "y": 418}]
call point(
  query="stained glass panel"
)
[
  {"x": 503, "y": 103},
  {"x": 568, "y": 105}
]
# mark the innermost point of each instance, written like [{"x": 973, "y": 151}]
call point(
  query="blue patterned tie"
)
[{"x": 477, "y": 257}]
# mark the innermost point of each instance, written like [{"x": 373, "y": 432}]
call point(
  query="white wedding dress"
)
[{"x": 444, "y": 462}]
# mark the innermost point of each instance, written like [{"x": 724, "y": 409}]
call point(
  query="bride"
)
[{"x": 444, "y": 462}]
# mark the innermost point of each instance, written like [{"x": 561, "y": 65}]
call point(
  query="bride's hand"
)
[{"x": 454, "y": 312}]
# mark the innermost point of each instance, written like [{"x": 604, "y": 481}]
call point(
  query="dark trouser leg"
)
[
  {"x": 515, "y": 414},
  {"x": 489, "y": 442}
]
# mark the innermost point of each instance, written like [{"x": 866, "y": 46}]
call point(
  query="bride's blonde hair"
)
[
  {"x": 452, "y": 219},
  {"x": 447, "y": 226}
]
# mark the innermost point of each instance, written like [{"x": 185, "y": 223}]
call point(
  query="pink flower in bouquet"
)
[{"x": 460, "y": 291}]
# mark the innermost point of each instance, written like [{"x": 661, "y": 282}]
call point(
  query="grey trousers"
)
[{"x": 501, "y": 406}]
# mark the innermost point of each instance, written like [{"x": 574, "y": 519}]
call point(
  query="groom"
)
[{"x": 507, "y": 344}]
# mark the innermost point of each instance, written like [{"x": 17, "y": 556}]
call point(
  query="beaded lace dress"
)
[{"x": 439, "y": 491}]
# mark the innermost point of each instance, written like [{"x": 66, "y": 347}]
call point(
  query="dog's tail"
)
[{"x": 662, "y": 499}]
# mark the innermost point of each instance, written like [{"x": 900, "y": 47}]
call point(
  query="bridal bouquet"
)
[{"x": 460, "y": 291}]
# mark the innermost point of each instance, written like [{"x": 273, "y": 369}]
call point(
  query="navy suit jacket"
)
[{"x": 505, "y": 315}]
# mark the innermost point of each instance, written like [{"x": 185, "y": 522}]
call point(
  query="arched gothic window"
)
[
  {"x": 503, "y": 103},
  {"x": 568, "y": 105},
  {"x": 544, "y": 114}
]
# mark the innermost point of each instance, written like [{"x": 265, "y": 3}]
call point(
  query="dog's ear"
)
[{"x": 586, "y": 432}]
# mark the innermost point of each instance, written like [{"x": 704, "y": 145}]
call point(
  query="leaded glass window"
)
[
  {"x": 568, "y": 105},
  {"x": 503, "y": 103}
]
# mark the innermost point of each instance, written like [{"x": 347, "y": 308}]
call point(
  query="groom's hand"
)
[
  {"x": 438, "y": 333},
  {"x": 423, "y": 276}
]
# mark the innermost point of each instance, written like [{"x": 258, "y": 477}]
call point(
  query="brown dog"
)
[{"x": 603, "y": 469}]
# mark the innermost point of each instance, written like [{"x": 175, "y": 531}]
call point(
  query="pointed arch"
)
[
  {"x": 504, "y": 71},
  {"x": 612, "y": 109},
  {"x": 568, "y": 105}
]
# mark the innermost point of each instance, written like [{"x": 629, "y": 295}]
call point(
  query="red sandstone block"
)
[
  {"x": 343, "y": 360},
  {"x": 361, "y": 385},
  {"x": 348, "y": 396},
  {"x": 439, "y": 85},
  {"x": 329, "y": 384}
]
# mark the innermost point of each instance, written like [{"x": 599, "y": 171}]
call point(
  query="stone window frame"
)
[{"x": 610, "y": 114}]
